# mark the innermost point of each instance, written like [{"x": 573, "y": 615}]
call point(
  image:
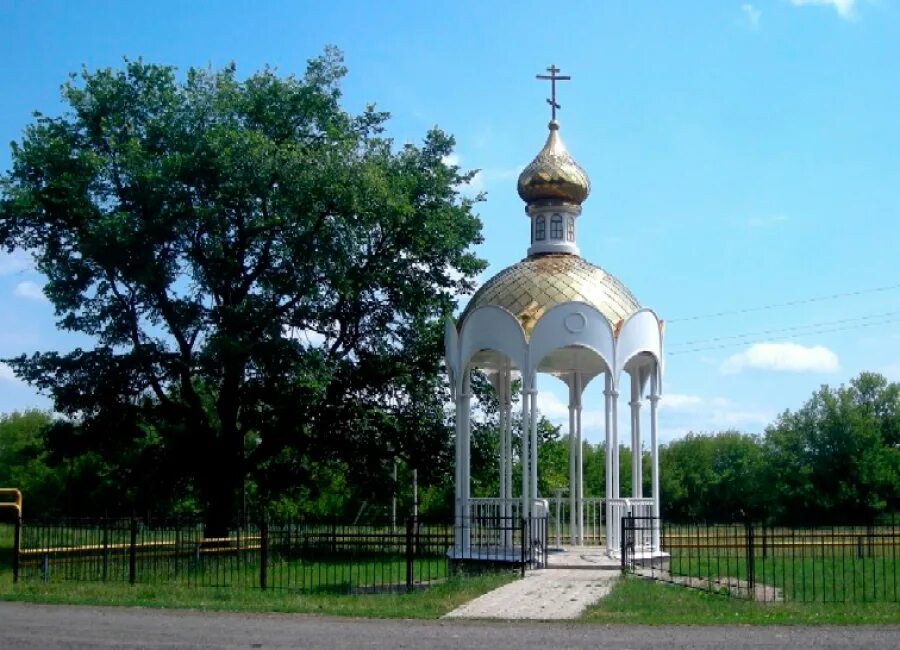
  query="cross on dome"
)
[{"x": 553, "y": 78}]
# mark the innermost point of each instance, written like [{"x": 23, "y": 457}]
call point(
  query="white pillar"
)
[
  {"x": 607, "y": 410},
  {"x": 573, "y": 475},
  {"x": 534, "y": 448},
  {"x": 501, "y": 434},
  {"x": 614, "y": 397},
  {"x": 458, "y": 480},
  {"x": 524, "y": 452},
  {"x": 579, "y": 458},
  {"x": 508, "y": 407},
  {"x": 637, "y": 484},
  {"x": 654, "y": 457},
  {"x": 466, "y": 455}
]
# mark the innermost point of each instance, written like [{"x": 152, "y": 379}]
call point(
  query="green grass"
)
[
  {"x": 432, "y": 602},
  {"x": 641, "y": 601},
  {"x": 809, "y": 574},
  {"x": 318, "y": 587}
]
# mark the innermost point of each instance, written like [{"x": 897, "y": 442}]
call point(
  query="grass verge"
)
[
  {"x": 433, "y": 602},
  {"x": 639, "y": 601}
]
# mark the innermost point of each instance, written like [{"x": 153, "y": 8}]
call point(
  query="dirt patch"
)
[{"x": 736, "y": 587}]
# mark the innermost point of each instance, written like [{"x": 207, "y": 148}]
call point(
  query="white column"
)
[
  {"x": 509, "y": 490},
  {"x": 467, "y": 455},
  {"x": 534, "y": 447},
  {"x": 506, "y": 494},
  {"x": 637, "y": 486},
  {"x": 458, "y": 479},
  {"x": 524, "y": 452},
  {"x": 607, "y": 410},
  {"x": 579, "y": 458},
  {"x": 654, "y": 457},
  {"x": 614, "y": 397},
  {"x": 573, "y": 475},
  {"x": 501, "y": 435}
]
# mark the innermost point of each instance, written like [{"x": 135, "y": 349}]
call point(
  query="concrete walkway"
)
[{"x": 548, "y": 594}]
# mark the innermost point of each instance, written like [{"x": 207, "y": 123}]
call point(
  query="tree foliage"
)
[
  {"x": 834, "y": 460},
  {"x": 263, "y": 275}
]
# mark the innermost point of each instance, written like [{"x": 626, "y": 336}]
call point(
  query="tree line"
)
[{"x": 834, "y": 460}]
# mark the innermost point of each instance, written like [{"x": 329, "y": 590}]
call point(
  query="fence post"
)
[
  {"x": 17, "y": 547},
  {"x": 623, "y": 543},
  {"x": 749, "y": 551},
  {"x": 410, "y": 523},
  {"x": 132, "y": 553},
  {"x": 263, "y": 552},
  {"x": 177, "y": 547},
  {"x": 545, "y": 537},
  {"x": 105, "y": 549},
  {"x": 522, "y": 540}
]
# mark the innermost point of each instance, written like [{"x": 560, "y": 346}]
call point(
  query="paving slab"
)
[{"x": 544, "y": 594}]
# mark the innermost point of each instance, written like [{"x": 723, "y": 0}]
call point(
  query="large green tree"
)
[
  {"x": 263, "y": 274},
  {"x": 23, "y": 459},
  {"x": 837, "y": 459},
  {"x": 712, "y": 477}
]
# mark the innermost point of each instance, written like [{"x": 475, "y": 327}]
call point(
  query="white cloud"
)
[
  {"x": 680, "y": 402},
  {"x": 483, "y": 177},
  {"x": 782, "y": 357},
  {"x": 557, "y": 411},
  {"x": 844, "y": 8},
  {"x": 14, "y": 262},
  {"x": 679, "y": 413},
  {"x": 752, "y": 15},
  {"x": 7, "y": 374},
  {"x": 30, "y": 290}
]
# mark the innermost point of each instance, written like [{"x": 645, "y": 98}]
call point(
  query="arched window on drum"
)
[
  {"x": 556, "y": 227},
  {"x": 540, "y": 228}
]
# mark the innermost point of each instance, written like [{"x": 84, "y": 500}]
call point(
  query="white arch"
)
[
  {"x": 493, "y": 328},
  {"x": 576, "y": 324},
  {"x": 639, "y": 334}
]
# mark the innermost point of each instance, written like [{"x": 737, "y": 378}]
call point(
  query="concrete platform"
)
[
  {"x": 544, "y": 594},
  {"x": 581, "y": 557}
]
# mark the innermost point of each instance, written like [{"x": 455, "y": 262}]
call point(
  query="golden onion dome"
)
[
  {"x": 554, "y": 174},
  {"x": 534, "y": 285}
]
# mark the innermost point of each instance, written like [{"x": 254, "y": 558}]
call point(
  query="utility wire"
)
[
  {"x": 789, "y": 336},
  {"x": 794, "y": 328},
  {"x": 792, "y": 303}
]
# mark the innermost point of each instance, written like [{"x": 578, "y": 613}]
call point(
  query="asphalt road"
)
[{"x": 48, "y": 627}]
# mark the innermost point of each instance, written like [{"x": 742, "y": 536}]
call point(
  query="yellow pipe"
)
[{"x": 16, "y": 494}]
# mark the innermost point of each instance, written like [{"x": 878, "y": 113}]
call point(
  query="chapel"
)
[{"x": 556, "y": 313}]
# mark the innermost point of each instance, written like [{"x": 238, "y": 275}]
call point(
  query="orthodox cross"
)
[{"x": 553, "y": 78}]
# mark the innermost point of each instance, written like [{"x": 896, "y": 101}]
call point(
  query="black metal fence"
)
[
  {"x": 833, "y": 564},
  {"x": 324, "y": 558},
  {"x": 495, "y": 539},
  {"x": 302, "y": 557}
]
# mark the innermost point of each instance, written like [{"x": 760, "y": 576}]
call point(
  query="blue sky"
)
[{"x": 741, "y": 155}]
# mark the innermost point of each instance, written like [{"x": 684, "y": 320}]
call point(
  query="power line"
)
[
  {"x": 794, "y": 328},
  {"x": 792, "y": 303},
  {"x": 789, "y": 336}
]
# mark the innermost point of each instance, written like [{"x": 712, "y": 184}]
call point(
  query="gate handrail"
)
[{"x": 16, "y": 503}]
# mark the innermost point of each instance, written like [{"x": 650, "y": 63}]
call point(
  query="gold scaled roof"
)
[
  {"x": 554, "y": 174},
  {"x": 534, "y": 285}
]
